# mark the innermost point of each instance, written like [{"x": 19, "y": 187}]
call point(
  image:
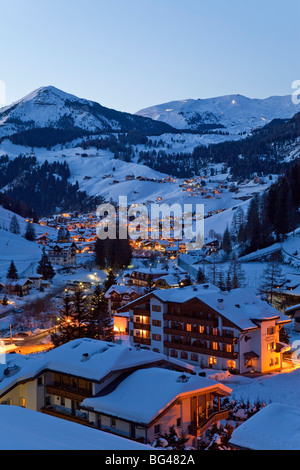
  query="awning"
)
[
  {"x": 251, "y": 355},
  {"x": 282, "y": 347}
]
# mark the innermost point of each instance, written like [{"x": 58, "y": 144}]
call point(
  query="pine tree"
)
[
  {"x": 253, "y": 225},
  {"x": 226, "y": 242},
  {"x": 65, "y": 332},
  {"x": 80, "y": 318},
  {"x": 45, "y": 268},
  {"x": 14, "y": 226},
  {"x": 238, "y": 221},
  {"x": 100, "y": 321},
  {"x": 272, "y": 279},
  {"x": 221, "y": 284},
  {"x": 213, "y": 271},
  {"x": 237, "y": 274},
  {"x": 30, "y": 234},
  {"x": 201, "y": 279},
  {"x": 110, "y": 280},
  {"x": 12, "y": 274},
  {"x": 228, "y": 281}
]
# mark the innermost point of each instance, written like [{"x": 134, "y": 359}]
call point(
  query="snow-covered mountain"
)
[
  {"x": 232, "y": 113},
  {"x": 49, "y": 107}
]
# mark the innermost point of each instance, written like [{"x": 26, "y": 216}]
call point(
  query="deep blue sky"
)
[{"x": 130, "y": 54}]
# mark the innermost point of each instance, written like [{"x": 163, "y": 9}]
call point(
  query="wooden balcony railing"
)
[
  {"x": 72, "y": 394},
  {"x": 204, "y": 424},
  {"x": 193, "y": 334},
  {"x": 142, "y": 326},
  {"x": 139, "y": 340},
  {"x": 201, "y": 350},
  {"x": 51, "y": 411},
  {"x": 141, "y": 313},
  {"x": 200, "y": 321}
]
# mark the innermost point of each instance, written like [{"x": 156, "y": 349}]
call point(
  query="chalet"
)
[
  {"x": 143, "y": 277},
  {"x": 63, "y": 255},
  {"x": 172, "y": 252},
  {"x": 36, "y": 280},
  {"x": 58, "y": 382},
  {"x": 43, "y": 239},
  {"x": 119, "y": 296},
  {"x": 19, "y": 287},
  {"x": 150, "y": 401},
  {"x": 205, "y": 327},
  {"x": 170, "y": 281}
]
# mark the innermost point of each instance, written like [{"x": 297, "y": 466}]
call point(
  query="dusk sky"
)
[{"x": 133, "y": 54}]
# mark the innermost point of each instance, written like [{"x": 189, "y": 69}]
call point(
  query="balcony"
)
[
  {"x": 144, "y": 341},
  {"x": 68, "y": 392},
  {"x": 58, "y": 412},
  {"x": 201, "y": 350},
  {"x": 205, "y": 423},
  {"x": 193, "y": 334},
  {"x": 198, "y": 320},
  {"x": 139, "y": 312},
  {"x": 142, "y": 326}
]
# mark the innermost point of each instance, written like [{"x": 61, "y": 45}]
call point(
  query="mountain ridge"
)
[
  {"x": 234, "y": 113},
  {"x": 49, "y": 107}
]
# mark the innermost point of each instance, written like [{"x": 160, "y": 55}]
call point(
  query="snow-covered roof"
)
[
  {"x": 143, "y": 395},
  {"x": 243, "y": 307},
  {"x": 23, "y": 429},
  {"x": 275, "y": 427},
  {"x": 122, "y": 290},
  {"x": 87, "y": 358},
  {"x": 293, "y": 308}
]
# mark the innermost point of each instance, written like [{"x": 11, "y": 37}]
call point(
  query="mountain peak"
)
[
  {"x": 50, "y": 107},
  {"x": 235, "y": 113}
]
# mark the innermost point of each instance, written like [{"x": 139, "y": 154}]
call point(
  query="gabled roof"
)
[
  {"x": 146, "y": 393},
  {"x": 243, "y": 307},
  {"x": 85, "y": 358}
]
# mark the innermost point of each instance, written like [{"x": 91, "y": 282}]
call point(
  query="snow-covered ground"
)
[{"x": 23, "y": 429}]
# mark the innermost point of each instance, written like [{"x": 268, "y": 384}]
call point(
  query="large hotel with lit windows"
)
[{"x": 211, "y": 329}]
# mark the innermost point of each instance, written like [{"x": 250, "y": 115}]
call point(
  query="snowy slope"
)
[
  {"x": 236, "y": 113},
  {"x": 18, "y": 249},
  {"x": 23, "y": 429}
]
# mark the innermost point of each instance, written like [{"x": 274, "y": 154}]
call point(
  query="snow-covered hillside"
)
[
  {"x": 16, "y": 248},
  {"x": 51, "y": 107},
  {"x": 235, "y": 113},
  {"x": 99, "y": 174}
]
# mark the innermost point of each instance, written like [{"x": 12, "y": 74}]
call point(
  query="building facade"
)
[{"x": 203, "y": 329}]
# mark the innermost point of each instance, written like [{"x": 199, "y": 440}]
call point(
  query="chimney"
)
[{"x": 221, "y": 304}]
